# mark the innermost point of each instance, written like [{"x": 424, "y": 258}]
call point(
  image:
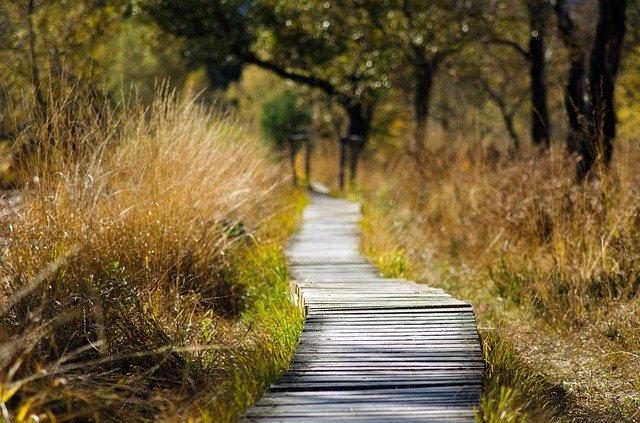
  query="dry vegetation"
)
[
  {"x": 551, "y": 267},
  {"x": 142, "y": 276}
]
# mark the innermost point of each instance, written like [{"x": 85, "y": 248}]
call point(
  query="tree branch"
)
[
  {"x": 279, "y": 70},
  {"x": 248, "y": 56},
  {"x": 511, "y": 44}
]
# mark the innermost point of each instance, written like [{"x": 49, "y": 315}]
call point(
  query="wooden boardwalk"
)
[{"x": 372, "y": 349}]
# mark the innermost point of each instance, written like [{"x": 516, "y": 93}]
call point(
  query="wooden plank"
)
[
  {"x": 346, "y": 385},
  {"x": 462, "y": 357},
  {"x": 382, "y": 331},
  {"x": 442, "y": 350},
  {"x": 398, "y": 357},
  {"x": 372, "y": 349},
  {"x": 429, "y": 394}
]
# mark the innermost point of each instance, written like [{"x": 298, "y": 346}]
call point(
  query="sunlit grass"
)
[
  {"x": 378, "y": 246},
  {"x": 513, "y": 390},
  {"x": 142, "y": 276},
  {"x": 277, "y": 325},
  {"x": 6, "y": 176},
  {"x": 551, "y": 268}
]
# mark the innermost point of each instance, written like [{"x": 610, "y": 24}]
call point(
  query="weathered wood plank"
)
[{"x": 372, "y": 349}]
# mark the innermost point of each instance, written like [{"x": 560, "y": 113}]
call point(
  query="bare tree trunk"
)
[
  {"x": 539, "y": 110},
  {"x": 575, "y": 92},
  {"x": 507, "y": 112},
  {"x": 604, "y": 63},
  {"x": 293, "y": 150},
  {"x": 507, "y": 117},
  {"x": 424, "y": 75},
  {"x": 575, "y": 104},
  {"x": 342, "y": 161},
  {"x": 35, "y": 71},
  {"x": 359, "y": 115},
  {"x": 356, "y": 147},
  {"x": 307, "y": 160}
]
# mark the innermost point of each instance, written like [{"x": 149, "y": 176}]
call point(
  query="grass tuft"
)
[{"x": 141, "y": 276}]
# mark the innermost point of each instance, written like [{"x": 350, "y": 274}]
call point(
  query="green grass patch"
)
[
  {"x": 274, "y": 324},
  {"x": 378, "y": 244},
  {"x": 392, "y": 264}
]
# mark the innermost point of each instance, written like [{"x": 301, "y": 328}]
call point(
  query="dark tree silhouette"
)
[
  {"x": 604, "y": 64},
  {"x": 575, "y": 91},
  {"x": 427, "y": 35},
  {"x": 534, "y": 55},
  {"x": 538, "y": 17}
]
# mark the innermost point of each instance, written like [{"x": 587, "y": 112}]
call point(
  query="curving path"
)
[{"x": 372, "y": 349}]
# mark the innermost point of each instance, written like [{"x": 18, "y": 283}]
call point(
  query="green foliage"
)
[
  {"x": 629, "y": 93},
  {"x": 393, "y": 264},
  {"x": 50, "y": 38},
  {"x": 282, "y": 116},
  {"x": 139, "y": 55},
  {"x": 277, "y": 322},
  {"x": 107, "y": 46},
  {"x": 250, "y": 91},
  {"x": 334, "y": 47}
]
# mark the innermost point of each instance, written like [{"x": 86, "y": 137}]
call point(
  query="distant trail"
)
[{"x": 372, "y": 349}]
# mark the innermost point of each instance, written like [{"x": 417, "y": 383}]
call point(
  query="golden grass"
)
[
  {"x": 6, "y": 176},
  {"x": 139, "y": 279},
  {"x": 552, "y": 268}
]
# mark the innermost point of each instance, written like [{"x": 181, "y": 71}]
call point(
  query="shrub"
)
[{"x": 282, "y": 116}]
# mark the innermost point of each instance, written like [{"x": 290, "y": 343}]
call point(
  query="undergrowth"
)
[
  {"x": 142, "y": 278},
  {"x": 551, "y": 268}
]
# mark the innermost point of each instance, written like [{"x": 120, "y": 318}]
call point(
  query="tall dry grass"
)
[
  {"x": 552, "y": 267},
  {"x": 124, "y": 287}
]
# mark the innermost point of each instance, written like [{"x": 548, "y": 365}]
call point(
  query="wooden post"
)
[
  {"x": 292, "y": 160},
  {"x": 356, "y": 143},
  {"x": 294, "y": 145},
  {"x": 307, "y": 160},
  {"x": 342, "y": 162}
]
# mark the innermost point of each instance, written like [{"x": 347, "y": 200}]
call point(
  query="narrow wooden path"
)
[{"x": 372, "y": 349}]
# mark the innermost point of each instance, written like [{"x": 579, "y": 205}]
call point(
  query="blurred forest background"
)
[
  {"x": 494, "y": 144},
  {"x": 390, "y": 73}
]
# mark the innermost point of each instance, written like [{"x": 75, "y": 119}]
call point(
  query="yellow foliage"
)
[{"x": 628, "y": 95}]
